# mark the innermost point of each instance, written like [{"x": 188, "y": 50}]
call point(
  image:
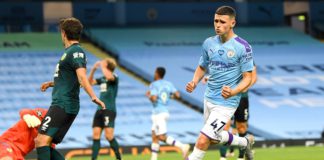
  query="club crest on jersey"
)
[
  {"x": 221, "y": 52},
  {"x": 230, "y": 54},
  {"x": 63, "y": 57},
  {"x": 9, "y": 150}
]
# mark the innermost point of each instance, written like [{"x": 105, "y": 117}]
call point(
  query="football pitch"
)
[{"x": 288, "y": 153}]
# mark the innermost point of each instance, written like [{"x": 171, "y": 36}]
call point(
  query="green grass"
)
[{"x": 288, "y": 153}]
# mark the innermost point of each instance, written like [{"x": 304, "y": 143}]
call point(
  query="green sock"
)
[
  {"x": 43, "y": 153},
  {"x": 95, "y": 148},
  {"x": 114, "y": 145},
  {"x": 242, "y": 151},
  {"x": 223, "y": 150},
  {"x": 55, "y": 155}
]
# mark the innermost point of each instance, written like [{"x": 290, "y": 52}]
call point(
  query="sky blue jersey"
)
[
  {"x": 225, "y": 63},
  {"x": 163, "y": 90}
]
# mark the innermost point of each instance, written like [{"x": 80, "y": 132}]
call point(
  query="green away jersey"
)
[
  {"x": 66, "y": 84},
  {"x": 108, "y": 92}
]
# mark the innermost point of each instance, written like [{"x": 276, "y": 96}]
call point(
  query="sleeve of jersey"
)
[
  {"x": 79, "y": 60},
  {"x": 246, "y": 60},
  {"x": 153, "y": 90},
  {"x": 204, "y": 59}
]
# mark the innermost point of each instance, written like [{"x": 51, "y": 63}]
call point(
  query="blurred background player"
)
[
  {"x": 159, "y": 94},
  {"x": 18, "y": 141},
  {"x": 228, "y": 58},
  {"x": 69, "y": 75},
  {"x": 105, "y": 119}
]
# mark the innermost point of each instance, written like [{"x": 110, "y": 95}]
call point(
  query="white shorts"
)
[
  {"x": 159, "y": 123},
  {"x": 215, "y": 117}
]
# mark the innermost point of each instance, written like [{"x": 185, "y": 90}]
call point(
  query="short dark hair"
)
[
  {"x": 160, "y": 71},
  {"x": 226, "y": 10},
  {"x": 72, "y": 28}
]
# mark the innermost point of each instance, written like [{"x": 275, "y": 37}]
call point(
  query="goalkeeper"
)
[{"x": 18, "y": 141}]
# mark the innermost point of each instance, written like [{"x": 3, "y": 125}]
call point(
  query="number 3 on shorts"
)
[{"x": 217, "y": 125}]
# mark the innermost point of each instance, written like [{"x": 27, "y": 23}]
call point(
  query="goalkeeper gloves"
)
[{"x": 31, "y": 120}]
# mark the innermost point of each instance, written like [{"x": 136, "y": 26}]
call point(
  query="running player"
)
[
  {"x": 159, "y": 94},
  {"x": 228, "y": 58},
  {"x": 105, "y": 119},
  {"x": 18, "y": 141},
  {"x": 69, "y": 75}
]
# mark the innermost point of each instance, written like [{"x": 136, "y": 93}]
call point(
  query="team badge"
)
[
  {"x": 63, "y": 57},
  {"x": 230, "y": 54},
  {"x": 9, "y": 150}
]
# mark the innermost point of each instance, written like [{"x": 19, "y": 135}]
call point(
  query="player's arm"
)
[
  {"x": 106, "y": 72},
  {"x": 82, "y": 76},
  {"x": 46, "y": 85},
  {"x": 199, "y": 74},
  {"x": 176, "y": 95},
  {"x": 227, "y": 92},
  {"x": 29, "y": 116},
  {"x": 200, "y": 70},
  {"x": 254, "y": 79},
  {"x": 152, "y": 98},
  {"x": 92, "y": 71}
]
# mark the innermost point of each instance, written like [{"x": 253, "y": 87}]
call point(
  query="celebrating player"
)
[
  {"x": 105, "y": 119},
  {"x": 18, "y": 141},
  {"x": 160, "y": 93},
  {"x": 70, "y": 73},
  {"x": 228, "y": 58}
]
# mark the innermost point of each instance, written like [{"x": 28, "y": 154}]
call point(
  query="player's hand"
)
[
  {"x": 227, "y": 92},
  {"x": 31, "y": 120},
  {"x": 97, "y": 64},
  {"x": 45, "y": 85},
  {"x": 190, "y": 86},
  {"x": 103, "y": 63},
  {"x": 99, "y": 102}
]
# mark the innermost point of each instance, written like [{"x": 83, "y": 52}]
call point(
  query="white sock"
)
[
  {"x": 233, "y": 140},
  {"x": 172, "y": 142},
  {"x": 155, "y": 147},
  {"x": 222, "y": 158},
  {"x": 196, "y": 154}
]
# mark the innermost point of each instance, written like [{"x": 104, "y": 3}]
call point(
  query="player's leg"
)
[
  {"x": 55, "y": 155},
  {"x": 97, "y": 126},
  {"x": 46, "y": 131},
  {"x": 241, "y": 119},
  {"x": 202, "y": 142},
  {"x": 223, "y": 148},
  {"x": 213, "y": 132},
  {"x": 52, "y": 130},
  {"x": 161, "y": 132},
  {"x": 155, "y": 146},
  {"x": 109, "y": 125}
]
